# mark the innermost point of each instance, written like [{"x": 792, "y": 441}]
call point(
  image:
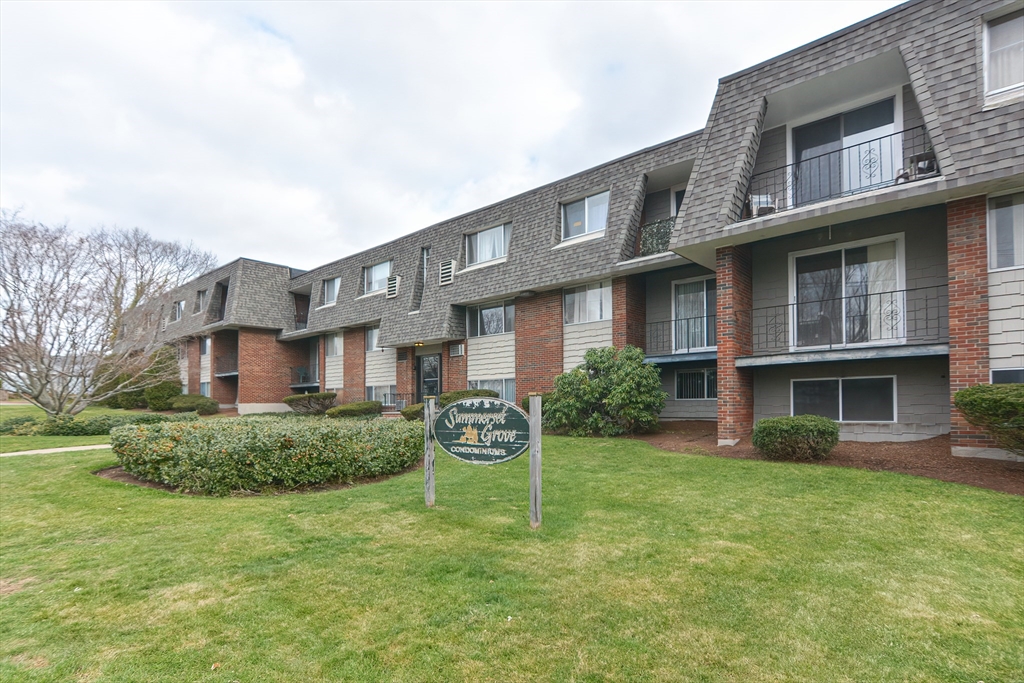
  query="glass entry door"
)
[{"x": 428, "y": 370}]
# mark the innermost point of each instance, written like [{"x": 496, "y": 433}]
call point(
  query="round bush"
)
[
  {"x": 159, "y": 396},
  {"x": 247, "y": 454},
  {"x": 15, "y": 424},
  {"x": 453, "y": 396},
  {"x": 129, "y": 400},
  {"x": 998, "y": 409},
  {"x": 195, "y": 403},
  {"x": 413, "y": 412},
  {"x": 311, "y": 404},
  {"x": 357, "y": 409},
  {"x": 801, "y": 437}
]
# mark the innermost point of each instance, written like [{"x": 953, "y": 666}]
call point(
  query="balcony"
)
[
  {"x": 909, "y": 316},
  {"x": 890, "y": 160},
  {"x": 305, "y": 377},
  {"x": 684, "y": 335},
  {"x": 653, "y": 238},
  {"x": 225, "y": 365}
]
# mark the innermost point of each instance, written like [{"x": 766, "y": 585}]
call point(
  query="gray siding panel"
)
[
  {"x": 576, "y": 339},
  {"x": 491, "y": 357},
  {"x": 334, "y": 372},
  {"x": 659, "y": 289},
  {"x": 771, "y": 153},
  {"x": 381, "y": 368},
  {"x": 1006, "y": 319},
  {"x": 657, "y": 205}
]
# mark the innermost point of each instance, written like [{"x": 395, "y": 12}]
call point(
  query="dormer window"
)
[
  {"x": 488, "y": 245},
  {"x": 201, "y": 298},
  {"x": 331, "y": 290},
  {"x": 1004, "y": 54},
  {"x": 375, "y": 278},
  {"x": 177, "y": 310},
  {"x": 372, "y": 334},
  {"x": 585, "y": 216}
]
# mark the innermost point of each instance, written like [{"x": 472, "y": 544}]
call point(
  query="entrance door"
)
[{"x": 428, "y": 368}]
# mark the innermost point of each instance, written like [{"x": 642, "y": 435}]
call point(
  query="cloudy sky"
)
[{"x": 299, "y": 133}]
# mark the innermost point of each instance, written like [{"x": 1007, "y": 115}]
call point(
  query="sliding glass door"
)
[{"x": 695, "y": 318}]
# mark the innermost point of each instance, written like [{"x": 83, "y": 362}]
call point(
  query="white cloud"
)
[{"x": 299, "y": 133}]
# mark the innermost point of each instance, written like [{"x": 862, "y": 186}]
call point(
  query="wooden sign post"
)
[
  {"x": 428, "y": 451},
  {"x": 535, "y": 422}
]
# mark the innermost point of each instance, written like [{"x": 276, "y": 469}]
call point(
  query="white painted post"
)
[
  {"x": 428, "y": 451},
  {"x": 535, "y": 423}
]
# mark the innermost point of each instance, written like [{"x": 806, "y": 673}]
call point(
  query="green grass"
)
[
  {"x": 650, "y": 566},
  {"x": 12, "y": 444}
]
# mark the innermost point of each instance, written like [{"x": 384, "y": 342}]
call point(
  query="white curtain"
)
[{"x": 690, "y": 315}]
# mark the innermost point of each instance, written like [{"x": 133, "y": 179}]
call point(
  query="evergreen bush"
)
[
  {"x": 453, "y": 396},
  {"x": 413, "y": 412},
  {"x": 159, "y": 396},
  {"x": 545, "y": 397},
  {"x": 356, "y": 409},
  {"x": 998, "y": 409},
  {"x": 801, "y": 437},
  {"x": 187, "y": 403},
  {"x": 311, "y": 404}
]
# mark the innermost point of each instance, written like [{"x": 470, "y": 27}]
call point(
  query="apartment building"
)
[{"x": 844, "y": 237}]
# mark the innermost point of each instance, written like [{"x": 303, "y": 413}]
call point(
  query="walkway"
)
[{"x": 66, "y": 449}]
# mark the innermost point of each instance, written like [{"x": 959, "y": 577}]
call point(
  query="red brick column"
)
[
  {"x": 629, "y": 311},
  {"x": 322, "y": 356},
  {"x": 968, "y": 311},
  {"x": 192, "y": 353},
  {"x": 405, "y": 373},
  {"x": 538, "y": 342},
  {"x": 735, "y": 385},
  {"x": 453, "y": 370},
  {"x": 264, "y": 365},
  {"x": 355, "y": 366},
  {"x": 223, "y": 390}
]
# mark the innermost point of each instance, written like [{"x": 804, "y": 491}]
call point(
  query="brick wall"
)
[
  {"x": 405, "y": 373},
  {"x": 264, "y": 365},
  {"x": 735, "y": 385},
  {"x": 968, "y": 310},
  {"x": 355, "y": 366},
  {"x": 223, "y": 390},
  {"x": 538, "y": 342},
  {"x": 192, "y": 353},
  {"x": 629, "y": 311},
  {"x": 453, "y": 370}
]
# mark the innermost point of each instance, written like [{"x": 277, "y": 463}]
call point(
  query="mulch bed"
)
[{"x": 927, "y": 458}]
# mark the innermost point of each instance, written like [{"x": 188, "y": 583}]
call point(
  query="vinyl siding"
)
[
  {"x": 659, "y": 290},
  {"x": 771, "y": 154},
  {"x": 1006, "y": 319},
  {"x": 204, "y": 365},
  {"x": 380, "y": 368},
  {"x": 576, "y": 339},
  {"x": 334, "y": 372},
  {"x": 183, "y": 372},
  {"x": 658, "y": 205},
  {"x": 491, "y": 357}
]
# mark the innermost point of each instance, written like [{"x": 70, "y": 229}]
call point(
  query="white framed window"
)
[
  {"x": 204, "y": 389},
  {"x": 383, "y": 393},
  {"x": 177, "y": 310},
  {"x": 204, "y": 346},
  {"x": 488, "y": 245},
  {"x": 585, "y": 216},
  {"x": 1006, "y": 231},
  {"x": 694, "y": 314},
  {"x": 372, "y": 334},
  {"x": 496, "y": 318},
  {"x": 1004, "y": 54},
  {"x": 331, "y": 290},
  {"x": 845, "y": 399},
  {"x": 848, "y": 294},
  {"x": 201, "y": 299},
  {"x": 505, "y": 388},
  {"x": 333, "y": 344},
  {"x": 697, "y": 384},
  {"x": 587, "y": 303},
  {"x": 375, "y": 277},
  {"x": 1012, "y": 376}
]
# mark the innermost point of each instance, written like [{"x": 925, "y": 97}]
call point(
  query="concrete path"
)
[{"x": 66, "y": 449}]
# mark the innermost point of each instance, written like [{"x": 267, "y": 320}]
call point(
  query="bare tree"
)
[{"x": 60, "y": 342}]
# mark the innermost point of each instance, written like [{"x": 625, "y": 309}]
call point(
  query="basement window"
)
[
  {"x": 847, "y": 399},
  {"x": 697, "y": 384}
]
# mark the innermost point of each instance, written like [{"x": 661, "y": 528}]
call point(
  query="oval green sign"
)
[{"x": 482, "y": 431}]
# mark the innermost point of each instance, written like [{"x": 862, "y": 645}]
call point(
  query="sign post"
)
[
  {"x": 428, "y": 451},
  {"x": 535, "y": 423}
]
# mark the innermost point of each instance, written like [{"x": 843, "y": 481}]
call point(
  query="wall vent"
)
[
  {"x": 457, "y": 350},
  {"x": 402, "y": 355},
  {"x": 392, "y": 290},
  {"x": 447, "y": 272}
]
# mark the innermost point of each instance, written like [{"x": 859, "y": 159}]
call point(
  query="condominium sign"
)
[{"x": 482, "y": 431}]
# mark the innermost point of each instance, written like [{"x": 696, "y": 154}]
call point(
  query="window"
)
[
  {"x": 1004, "y": 53},
  {"x": 200, "y": 301},
  {"x": 372, "y": 333},
  {"x": 1006, "y": 231},
  {"x": 204, "y": 346},
  {"x": 506, "y": 388},
  {"x": 177, "y": 310},
  {"x": 850, "y": 399},
  {"x": 848, "y": 296},
  {"x": 496, "y": 318},
  {"x": 1015, "y": 376},
  {"x": 696, "y": 384},
  {"x": 333, "y": 345},
  {"x": 588, "y": 303},
  {"x": 585, "y": 216},
  {"x": 375, "y": 277},
  {"x": 487, "y": 245},
  {"x": 331, "y": 290},
  {"x": 385, "y": 394},
  {"x": 695, "y": 319},
  {"x": 204, "y": 389}
]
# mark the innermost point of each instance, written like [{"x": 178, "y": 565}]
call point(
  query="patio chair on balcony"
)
[{"x": 761, "y": 204}]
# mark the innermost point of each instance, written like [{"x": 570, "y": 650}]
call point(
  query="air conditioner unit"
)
[
  {"x": 456, "y": 350},
  {"x": 392, "y": 290},
  {"x": 447, "y": 272}
]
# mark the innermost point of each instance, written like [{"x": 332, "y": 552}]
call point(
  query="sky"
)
[{"x": 299, "y": 133}]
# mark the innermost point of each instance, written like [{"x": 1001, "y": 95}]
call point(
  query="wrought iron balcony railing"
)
[
  {"x": 683, "y": 335},
  {"x": 653, "y": 238},
  {"x": 901, "y": 157},
  {"x": 908, "y": 316},
  {"x": 225, "y": 364}
]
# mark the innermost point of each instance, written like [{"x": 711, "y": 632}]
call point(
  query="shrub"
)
[
  {"x": 99, "y": 425},
  {"x": 453, "y": 396},
  {"x": 413, "y": 412},
  {"x": 612, "y": 392},
  {"x": 13, "y": 424},
  {"x": 801, "y": 437},
  {"x": 195, "y": 402},
  {"x": 311, "y": 404},
  {"x": 357, "y": 409},
  {"x": 998, "y": 409},
  {"x": 219, "y": 457},
  {"x": 129, "y": 400},
  {"x": 159, "y": 396},
  {"x": 545, "y": 397}
]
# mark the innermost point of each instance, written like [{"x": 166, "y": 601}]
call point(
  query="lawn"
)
[
  {"x": 650, "y": 566},
  {"x": 12, "y": 444}
]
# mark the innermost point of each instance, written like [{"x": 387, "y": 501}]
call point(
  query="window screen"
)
[
  {"x": 816, "y": 397},
  {"x": 868, "y": 399}
]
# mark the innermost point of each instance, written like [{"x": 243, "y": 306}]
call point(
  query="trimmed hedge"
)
[
  {"x": 129, "y": 400},
  {"x": 311, "y": 404},
  {"x": 998, "y": 409},
  {"x": 159, "y": 396},
  {"x": 801, "y": 437},
  {"x": 99, "y": 425},
  {"x": 413, "y": 412},
  {"x": 196, "y": 403},
  {"x": 453, "y": 396},
  {"x": 220, "y": 457},
  {"x": 356, "y": 409},
  {"x": 12, "y": 424}
]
